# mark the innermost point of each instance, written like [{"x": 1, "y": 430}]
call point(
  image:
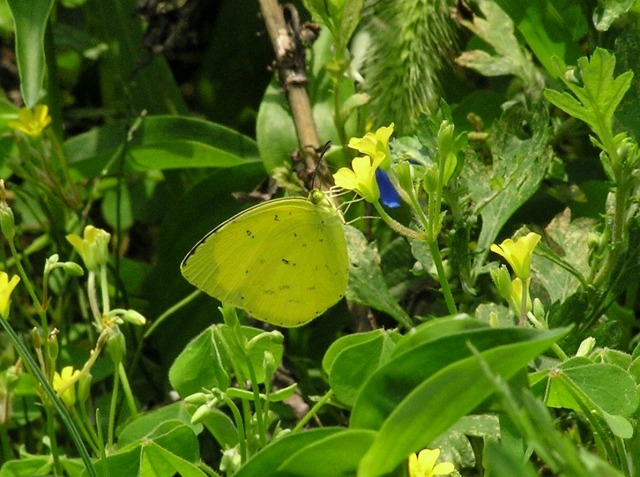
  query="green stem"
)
[
  {"x": 93, "y": 298},
  {"x": 523, "y": 302},
  {"x": 112, "y": 409},
  {"x": 397, "y": 226},
  {"x": 313, "y": 411},
  {"x": 170, "y": 311},
  {"x": 53, "y": 442},
  {"x": 240, "y": 425},
  {"x": 126, "y": 388},
  {"x": 51, "y": 394},
  {"x": 82, "y": 419},
  {"x": 444, "y": 282},
  {"x": 104, "y": 289}
]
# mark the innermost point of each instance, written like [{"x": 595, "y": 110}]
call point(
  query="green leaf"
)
[
  {"x": 199, "y": 366},
  {"x": 160, "y": 143},
  {"x": 147, "y": 423},
  {"x": 222, "y": 428},
  {"x": 407, "y": 423},
  {"x": 266, "y": 462},
  {"x": 599, "y": 95},
  {"x": 605, "y": 389},
  {"x": 30, "y": 21},
  {"x": 428, "y": 354},
  {"x": 355, "y": 363},
  {"x": 496, "y": 28},
  {"x": 556, "y": 266},
  {"x": 518, "y": 168},
  {"x": 550, "y": 28},
  {"x": 173, "y": 435},
  {"x": 366, "y": 282},
  {"x": 336, "y": 455},
  {"x": 156, "y": 461}
]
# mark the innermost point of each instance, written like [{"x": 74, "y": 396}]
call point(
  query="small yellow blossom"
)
[
  {"x": 93, "y": 246},
  {"x": 33, "y": 122},
  {"x": 516, "y": 296},
  {"x": 361, "y": 178},
  {"x": 518, "y": 253},
  {"x": 6, "y": 287},
  {"x": 61, "y": 383},
  {"x": 424, "y": 464},
  {"x": 375, "y": 145}
]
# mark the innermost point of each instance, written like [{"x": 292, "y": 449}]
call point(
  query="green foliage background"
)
[{"x": 167, "y": 119}]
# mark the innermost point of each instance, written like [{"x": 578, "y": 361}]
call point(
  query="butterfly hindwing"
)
[{"x": 284, "y": 261}]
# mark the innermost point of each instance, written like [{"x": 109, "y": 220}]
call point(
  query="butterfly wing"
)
[{"x": 284, "y": 261}]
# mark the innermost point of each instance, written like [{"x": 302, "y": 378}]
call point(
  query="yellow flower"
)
[
  {"x": 424, "y": 464},
  {"x": 6, "y": 287},
  {"x": 518, "y": 253},
  {"x": 361, "y": 179},
  {"x": 62, "y": 382},
  {"x": 93, "y": 247},
  {"x": 33, "y": 122},
  {"x": 375, "y": 145}
]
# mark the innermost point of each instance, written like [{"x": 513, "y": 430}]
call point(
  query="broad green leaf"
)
[
  {"x": 518, "y": 168},
  {"x": 172, "y": 435},
  {"x": 355, "y": 363},
  {"x": 550, "y": 28},
  {"x": 266, "y": 462},
  {"x": 599, "y": 95},
  {"x": 436, "y": 329},
  {"x": 199, "y": 366},
  {"x": 156, "y": 461},
  {"x": 366, "y": 281},
  {"x": 221, "y": 428},
  {"x": 346, "y": 341},
  {"x": 444, "y": 397},
  {"x": 496, "y": 29},
  {"x": 605, "y": 388},
  {"x": 35, "y": 465},
  {"x": 161, "y": 142},
  {"x": 147, "y": 423},
  {"x": 30, "y": 21},
  {"x": 555, "y": 266},
  {"x": 334, "y": 456},
  {"x": 415, "y": 364}
]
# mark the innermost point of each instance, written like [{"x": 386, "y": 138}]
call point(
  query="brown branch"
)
[{"x": 291, "y": 64}]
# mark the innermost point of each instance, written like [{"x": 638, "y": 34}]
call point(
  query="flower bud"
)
[
  {"x": 84, "y": 388},
  {"x": 586, "y": 346},
  {"x": 116, "y": 345},
  {"x": 502, "y": 281},
  {"x": 135, "y": 318},
  {"x": 7, "y": 222},
  {"x": 196, "y": 398}
]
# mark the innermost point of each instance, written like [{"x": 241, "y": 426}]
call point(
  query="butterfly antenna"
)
[{"x": 319, "y": 153}]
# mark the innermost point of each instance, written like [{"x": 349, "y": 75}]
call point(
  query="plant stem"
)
[
  {"x": 126, "y": 388},
  {"x": 313, "y": 411},
  {"x": 112, "y": 409},
  {"x": 442, "y": 276}
]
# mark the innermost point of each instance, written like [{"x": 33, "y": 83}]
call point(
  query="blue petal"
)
[{"x": 388, "y": 193}]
